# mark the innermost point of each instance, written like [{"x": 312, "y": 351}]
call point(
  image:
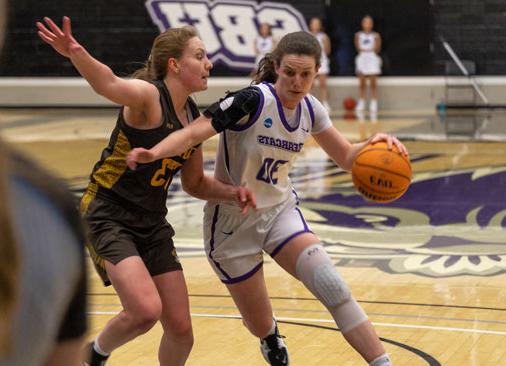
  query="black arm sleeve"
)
[{"x": 233, "y": 107}]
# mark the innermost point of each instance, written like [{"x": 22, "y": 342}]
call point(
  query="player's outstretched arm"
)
[
  {"x": 99, "y": 76},
  {"x": 343, "y": 152},
  {"x": 175, "y": 144}
]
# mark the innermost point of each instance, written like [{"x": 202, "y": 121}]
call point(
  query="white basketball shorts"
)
[{"x": 235, "y": 243}]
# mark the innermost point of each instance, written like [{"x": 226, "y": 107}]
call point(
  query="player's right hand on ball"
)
[
  {"x": 139, "y": 155},
  {"x": 61, "y": 40}
]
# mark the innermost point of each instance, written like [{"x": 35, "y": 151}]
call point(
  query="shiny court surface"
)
[{"x": 429, "y": 269}]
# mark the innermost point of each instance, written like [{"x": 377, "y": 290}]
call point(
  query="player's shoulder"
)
[{"x": 313, "y": 101}]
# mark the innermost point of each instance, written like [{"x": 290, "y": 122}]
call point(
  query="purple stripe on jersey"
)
[
  {"x": 211, "y": 243},
  {"x": 227, "y": 158},
  {"x": 252, "y": 121},
  {"x": 244, "y": 276},
  {"x": 281, "y": 113},
  {"x": 311, "y": 112}
]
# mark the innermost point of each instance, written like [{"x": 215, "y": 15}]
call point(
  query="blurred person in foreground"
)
[{"x": 42, "y": 270}]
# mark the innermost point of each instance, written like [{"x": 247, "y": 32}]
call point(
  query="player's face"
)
[
  {"x": 195, "y": 66},
  {"x": 296, "y": 74}
]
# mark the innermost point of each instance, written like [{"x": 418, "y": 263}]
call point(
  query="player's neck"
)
[{"x": 178, "y": 94}]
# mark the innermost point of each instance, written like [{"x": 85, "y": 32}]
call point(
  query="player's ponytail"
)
[
  {"x": 169, "y": 44},
  {"x": 296, "y": 43},
  {"x": 9, "y": 260},
  {"x": 266, "y": 70}
]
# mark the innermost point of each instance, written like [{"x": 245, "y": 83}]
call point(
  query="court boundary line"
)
[
  {"x": 317, "y": 320},
  {"x": 360, "y": 301}
]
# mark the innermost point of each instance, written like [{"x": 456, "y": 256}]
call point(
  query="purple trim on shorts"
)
[
  {"x": 296, "y": 196},
  {"x": 303, "y": 220},
  {"x": 281, "y": 246},
  {"x": 211, "y": 242},
  {"x": 252, "y": 121},
  {"x": 244, "y": 276},
  {"x": 281, "y": 113},
  {"x": 227, "y": 159},
  {"x": 311, "y": 112},
  {"x": 306, "y": 230}
]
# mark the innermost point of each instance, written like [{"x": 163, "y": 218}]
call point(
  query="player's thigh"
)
[
  {"x": 134, "y": 285},
  {"x": 288, "y": 255},
  {"x": 175, "y": 304}
]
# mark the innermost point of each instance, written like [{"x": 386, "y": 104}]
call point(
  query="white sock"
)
[
  {"x": 99, "y": 350},
  {"x": 382, "y": 360},
  {"x": 273, "y": 328},
  {"x": 373, "y": 105},
  {"x": 360, "y": 105}
]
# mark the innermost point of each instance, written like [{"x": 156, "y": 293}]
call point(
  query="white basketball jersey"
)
[
  {"x": 259, "y": 154},
  {"x": 367, "y": 41}
]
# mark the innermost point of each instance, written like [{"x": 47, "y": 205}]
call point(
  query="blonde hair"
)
[
  {"x": 9, "y": 260},
  {"x": 169, "y": 44}
]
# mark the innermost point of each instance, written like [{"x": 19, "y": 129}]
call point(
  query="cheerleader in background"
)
[{"x": 368, "y": 63}]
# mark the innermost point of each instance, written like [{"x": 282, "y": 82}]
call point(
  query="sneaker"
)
[
  {"x": 360, "y": 105},
  {"x": 92, "y": 357},
  {"x": 274, "y": 349}
]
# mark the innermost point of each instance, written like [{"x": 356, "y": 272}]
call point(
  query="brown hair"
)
[
  {"x": 296, "y": 43},
  {"x": 9, "y": 259},
  {"x": 169, "y": 44}
]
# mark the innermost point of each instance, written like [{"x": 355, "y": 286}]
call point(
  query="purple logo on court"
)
[
  {"x": 227, "y": 27},
  {"x": 447, "y": 224}
]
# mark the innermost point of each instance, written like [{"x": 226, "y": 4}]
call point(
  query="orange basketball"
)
[{"x": 381, "y": 175}]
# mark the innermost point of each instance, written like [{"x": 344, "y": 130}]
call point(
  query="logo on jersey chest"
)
[
  {"x": 280, "y": 143},
  {"x": 268, "y": 122}
]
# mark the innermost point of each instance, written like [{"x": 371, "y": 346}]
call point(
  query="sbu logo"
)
[{"x": 227, "y": 27}]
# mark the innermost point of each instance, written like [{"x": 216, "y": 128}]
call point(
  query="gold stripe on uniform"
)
[
  {"x": 106, "y": 176},
  {"x": 115, "y": 165}
]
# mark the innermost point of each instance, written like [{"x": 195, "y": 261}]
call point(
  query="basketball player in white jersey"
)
[
  {"x": 264, "y": 43},
  {"x": 368, "y": 63},
  {"x": 263, "y": 128},
  {"x": 315, "y": 27}
]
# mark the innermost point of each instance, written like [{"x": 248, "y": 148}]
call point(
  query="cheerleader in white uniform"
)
[
  {"x": 264, "y": 43},
  {"x": 315, "y": 26},
  {"x": 368, "y": 63}
]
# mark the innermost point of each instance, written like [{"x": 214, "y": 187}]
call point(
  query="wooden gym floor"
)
[{"x": 429, "y": 269}]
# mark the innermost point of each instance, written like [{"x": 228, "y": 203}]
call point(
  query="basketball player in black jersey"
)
[{"x": 130, "y": 240}]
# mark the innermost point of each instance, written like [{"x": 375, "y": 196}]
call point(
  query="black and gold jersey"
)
[{"x": 144, "y": 188}]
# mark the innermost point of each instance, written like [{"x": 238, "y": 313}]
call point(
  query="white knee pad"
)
[{"x": 315, "y": 269}]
